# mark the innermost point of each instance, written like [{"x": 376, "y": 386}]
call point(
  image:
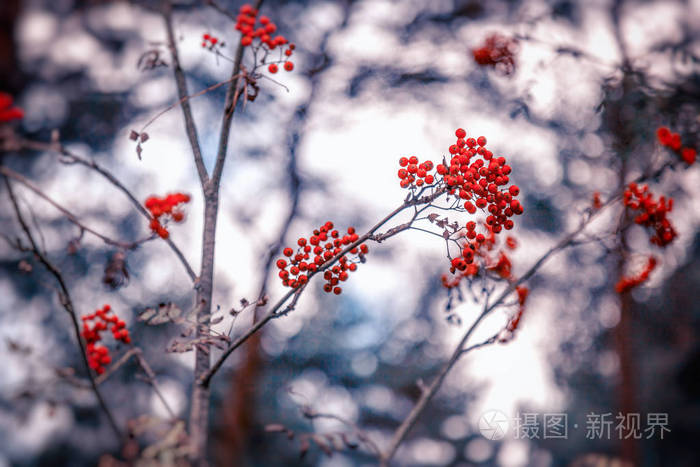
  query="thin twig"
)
[
  {"x": 566, "y": 241},
  {"x": 7, "y": 172},
  {"x": 67, "y": 304},
  {"x": 272, "y": 312},
  {"x": 181, "y": 83},
  {"x": 72, "y": 158}
]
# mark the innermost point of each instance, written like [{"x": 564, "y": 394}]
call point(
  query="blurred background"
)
[{"x": 373, "y": 81}]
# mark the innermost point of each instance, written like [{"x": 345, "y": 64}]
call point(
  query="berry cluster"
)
[
  {"x": 673, "y": 141},
  {"x": 165, "y": 208},
  {"x": 7, "y": 112},
  {"x": 477, "y": 177},
  {"x": 466, "y": 266},
  {"x": 98, "y": 355},
  {"x": 473, "y": 174},
  {"x": 324, "y": 244},
  {"x": 627, "y": 283},
  {"x": 210, "y": 41},
  {"x": 653, "y": 213},
  {"x": 246, "y": 22},
  {"x": 413, "y": 174},
  {"x": 498, "y": 52}
]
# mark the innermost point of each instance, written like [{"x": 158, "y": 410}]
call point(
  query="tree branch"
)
[
  {"x": 181, "y": 84},
  {"x": 72, "y": 158},
  {"x": 7, "y": 172},
  {"x": 460, "y": 350},
  {"x": 67, "y": 304},
  {"x": 272, "y": 312},
  {"x": 230, "y": 102}
]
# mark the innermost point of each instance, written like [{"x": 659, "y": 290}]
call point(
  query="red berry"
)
[
  {"x": 272, "y": 68},
  {"x": 288, "y": 66}
]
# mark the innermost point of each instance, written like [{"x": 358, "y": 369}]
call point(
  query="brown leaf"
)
[
  {"x": 133, "y": 136},
  {"x": 275, "y": 428},
  {"x": 164, "y": 313},
  {"x": 303, "y": 447},
  {"x": 352, "y": 444},
  {"x": 433, "y": 216},
  {"x": 318, "y": 439},
  {"x": 216, "y": 320},
  {"x": 24, "y": 267}
]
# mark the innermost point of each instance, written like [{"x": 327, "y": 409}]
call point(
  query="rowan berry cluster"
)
[
  {"x": 476, "y": 176},
  {"x": 262, "y": 28},
  {"x": 93, "y": 325},
  {"x": 652, "y": 213},
  {"x": 628, "y": 283},
  {"x": 480, "y": 249},
  {"x": 498, "y": 51},
  {"x": 210, "y": 41},
  {"x": 673, "y": 141},
  {"x": 163, "y": 209},
  {"x": 324, "y": 245},
  {"x": 7, "y": 111},
  {"x": 413, "y": 174},
  {"x": 473, "y": 174}
]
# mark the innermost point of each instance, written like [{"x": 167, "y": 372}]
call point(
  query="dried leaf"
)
[
  {"x": 216, "y": 320},
  {"x": 144, "y": 137},
  {"x": 446, "y": 234},
  {"x": 244, "y": 302},
  {"x": 180, "y": 346},
  {"x": 24, "y": 267},
  {"x": 352, "y": 444},
  {"x": 164, "y": 313},
  {"x": 303, "y": 447},
  {"x": 17, "y": 347},
  {"x": 203, "y": 319},
  {"x": 133, "y": 136},
  {"x": 433, "y": 216},
  {"x": 275, "y": 428},
  {"x": 322, "y": 444}
]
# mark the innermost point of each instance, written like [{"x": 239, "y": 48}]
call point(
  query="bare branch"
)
[
  {"x": 72, "y": 158},
  {"x": 181, "y": 83},
  {"x": 7, "y": 172},
  {"x": 232, "y": 95},
  {"x": 67, "y": 304},
  {"x": 272, "y": 312}
]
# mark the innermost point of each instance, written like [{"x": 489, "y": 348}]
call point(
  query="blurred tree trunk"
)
[
  {"x": 10, "y": 75},
  {"x": 621, "y": 129}
]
